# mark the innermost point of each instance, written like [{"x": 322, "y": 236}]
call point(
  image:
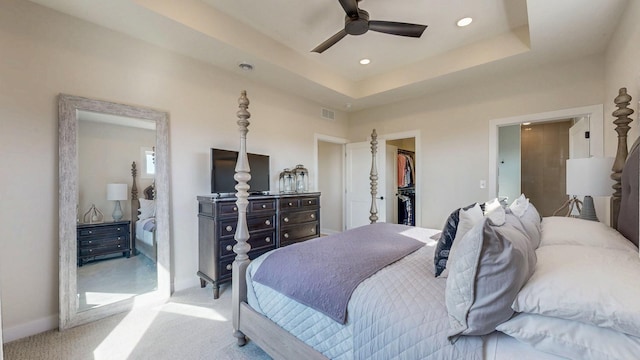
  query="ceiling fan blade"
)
[
  {"x": 397, "y": 28},
  {"x": 330, "y": 42},
  {"x": 350, "y": 7}
]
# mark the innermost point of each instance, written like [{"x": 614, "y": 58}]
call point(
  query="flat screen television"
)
[{"x": 223, "y": 167}]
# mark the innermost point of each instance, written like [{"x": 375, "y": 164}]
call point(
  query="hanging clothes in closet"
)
[{"x": 406, "y": 190}]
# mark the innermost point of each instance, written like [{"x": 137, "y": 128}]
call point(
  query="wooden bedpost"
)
[
  {"x": 373, "y": 176},
  {"x": 241, "y": 248},
  {"x": 622, "y": 121}
]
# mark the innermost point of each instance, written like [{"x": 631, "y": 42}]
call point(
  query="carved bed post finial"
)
[
  {"x": 373, "y": 176},
  {"x": 241, "y": 248},
  {"x": 622, "y": 121}
]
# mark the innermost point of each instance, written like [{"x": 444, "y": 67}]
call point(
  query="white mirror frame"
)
[{"x": 68, "y": 106}]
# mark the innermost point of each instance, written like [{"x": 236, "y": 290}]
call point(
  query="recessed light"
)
[
  {"x": 526, "y": 123},
  {"x": 464, "y": 21},
  {"x": 365, "y": 61},
  {"x": 245, "y": 66}
]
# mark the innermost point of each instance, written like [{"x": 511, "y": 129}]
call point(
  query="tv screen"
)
[{"x": 223, "y": 167}]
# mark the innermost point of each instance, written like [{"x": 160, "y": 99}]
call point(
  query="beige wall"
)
[
  {"x": 455, "y": 126},
  {"x": 330, "y": 171},
  {"x": 46, "y": 53},
  {"x": 105, "y": 154}
]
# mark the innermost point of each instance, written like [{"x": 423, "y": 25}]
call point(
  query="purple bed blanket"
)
[{"x": 323, "y": 273}]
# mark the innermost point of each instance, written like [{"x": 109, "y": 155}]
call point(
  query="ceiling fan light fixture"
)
[
  {"x": 464, "y": 21},
  {"x": 365, "y": 61}
]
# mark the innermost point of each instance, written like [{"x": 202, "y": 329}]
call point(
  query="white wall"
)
[
  {"x": 46, "y": 53},
  {"x": 455, "y": 125},
  {"x": 330, "y": 171}
]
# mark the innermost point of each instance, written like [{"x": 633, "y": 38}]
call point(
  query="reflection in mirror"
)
[
  {"x": 105, "y": 216},
  {"x": 110, "y": 268},
  {"x": 532, "y": 159}
]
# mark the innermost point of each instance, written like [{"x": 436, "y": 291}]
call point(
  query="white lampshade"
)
[
  {"x": 589, "y": 176},
  {"x": 116, "y": 191}
]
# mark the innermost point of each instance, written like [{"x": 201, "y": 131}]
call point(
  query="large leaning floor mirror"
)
[{"x": 114, "y": 208}]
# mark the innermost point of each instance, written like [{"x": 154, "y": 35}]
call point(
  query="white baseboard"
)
[
  {"x": 329, "y": 232},
  {"x": 31, "y": 328}
]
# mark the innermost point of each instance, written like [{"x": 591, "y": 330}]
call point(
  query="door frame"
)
[
  {"x": 596, "y": 128},
  {"x": 334, "y": 140},
  {"x": 417, "y": 162}
]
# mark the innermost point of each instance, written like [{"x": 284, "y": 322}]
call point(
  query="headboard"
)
[{"x": 149, "y": 194}]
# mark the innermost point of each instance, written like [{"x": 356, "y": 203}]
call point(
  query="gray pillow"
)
[
  {"x": 487, "y": 269},
  {"x": 532, "y": 224}
]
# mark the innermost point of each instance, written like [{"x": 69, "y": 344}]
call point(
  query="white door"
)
[
  {"x": 358, "y": 190},
  {"x": 392, "y": 184},
  {"x": 578, "y": 140}
]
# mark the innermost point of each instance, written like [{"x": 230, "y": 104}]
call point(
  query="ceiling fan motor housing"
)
[{"x": 357, "y": 26}]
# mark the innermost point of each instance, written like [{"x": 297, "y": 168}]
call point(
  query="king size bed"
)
[{"x": 498, "y": 282}]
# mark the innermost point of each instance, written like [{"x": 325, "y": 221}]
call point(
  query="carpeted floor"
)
[{"x": 190, "y": 326}]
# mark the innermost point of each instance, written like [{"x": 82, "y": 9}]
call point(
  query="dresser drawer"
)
[
  {"x": 102, "y": 250},
  {"x": 258, "y": 206},
  {"x": 106, "y": 241},
  {"x": 103, "y": 230},
  {"x": 225, "y": 264},
  {"x": 289, "y": 203},
  {"x": 227, "y": 208},
  {"x": 258, "y": 240},
  {"x": 299, "y": 233},
  {"x": 298, "y": 217},
  {"x": 266, "y": 222},
  {"x": 309, "y": 202}
]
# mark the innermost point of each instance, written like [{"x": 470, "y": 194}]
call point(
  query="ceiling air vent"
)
[{"x": 328, "y": 114}]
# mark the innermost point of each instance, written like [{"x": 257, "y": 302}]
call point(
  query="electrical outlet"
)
[{"x": 483, "y": 184}]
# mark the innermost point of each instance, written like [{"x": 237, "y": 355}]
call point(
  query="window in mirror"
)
[{"x": 147, "y": 155}]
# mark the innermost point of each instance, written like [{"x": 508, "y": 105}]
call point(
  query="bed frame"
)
[
  {"x": 149, "y": 194},
  {"x": 280, "y": 344}
]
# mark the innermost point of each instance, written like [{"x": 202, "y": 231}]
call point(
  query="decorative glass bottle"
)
[
  {"x": 302, "y": 178},
  {"x": 287, "y": 181}
]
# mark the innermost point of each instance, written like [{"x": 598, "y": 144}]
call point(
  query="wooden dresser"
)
[
  {"x": 103, "y": 239},
  {"x": 273, "y": 221}
]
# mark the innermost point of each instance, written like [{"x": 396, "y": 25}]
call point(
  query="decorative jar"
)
[
  {"x": 287, "y": 181},
  {"x": 302, "y": 178}
]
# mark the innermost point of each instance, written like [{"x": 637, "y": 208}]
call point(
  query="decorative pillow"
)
[
  {"x": 558, "y": 230},
  {"x": 487, "y": 268},
  {"x": 589, "y": 284},
  {"x": 147, "y": 209},
  {"x": 449, "y": 234},
  {"x": 491, "y": 205},
  {"x": 519, "y": 205},
  {"x": 571, "y": 339}
]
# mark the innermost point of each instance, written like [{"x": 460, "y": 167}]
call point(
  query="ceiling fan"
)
[{"x": 357, "y": 22}]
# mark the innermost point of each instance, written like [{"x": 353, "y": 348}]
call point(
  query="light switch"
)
[{"x": 483, "y": 184}]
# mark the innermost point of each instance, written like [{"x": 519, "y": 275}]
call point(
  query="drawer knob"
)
[
  {"x": 264, "y": 206},
  {"x": 267, "y": 239},
  {"x": 90, "y": 242},
  {"x": 119, "y": 246},
  {"x": 235, "y": 208},
  {"x": 229, "y": 247},
  {"x": 267, "y": 222},
  {"x": 286, "y": 235},
  {"x": 118, "y": 229},
  {"x": 229, "y": 267},
  {"x": 90, "y": 232},
  {"x": 290, "y": 204},
  {"x": 313, "y": 216},
  {"x": 229, "y": 228},
  {"x": 313, "y": 230},
  {"x": 90, "y": 250},
  {"x": 310, "y": 201},
  {"x": 119, "y": 238},
  {"x": 286, "y": 219}
]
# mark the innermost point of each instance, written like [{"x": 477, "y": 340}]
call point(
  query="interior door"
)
[
  {"x": 579, "y": 139},
  {"x": 391, "y": 175},
  {"x": 358, "y": 189}
]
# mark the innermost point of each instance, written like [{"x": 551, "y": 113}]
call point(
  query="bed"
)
[
  {"x": 143, "y": 220},
  {"x": 513, "y": 285}
]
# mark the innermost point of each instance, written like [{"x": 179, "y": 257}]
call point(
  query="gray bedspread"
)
[
  {"x": 398, "y": 313},
  {"x": 323, "y": 273}
]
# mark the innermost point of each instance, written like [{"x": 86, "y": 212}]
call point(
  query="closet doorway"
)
[{"x": 402, "y": 174}]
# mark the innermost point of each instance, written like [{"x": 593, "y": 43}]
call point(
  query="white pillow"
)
[
  {"x": 589, "y": 284},
  {"x": 571, "y": 339},
  {"x": 519, "y": 205},
  {"x": 559, "y": 230},
  {"x": 468, "y": 218},
  {"x": 147, "y": 209},
  {"x": 491, "y": 205}
]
